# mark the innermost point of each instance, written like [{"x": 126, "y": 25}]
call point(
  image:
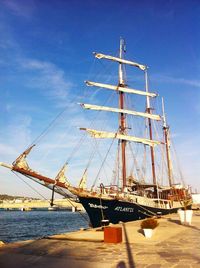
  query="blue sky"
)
[{"x": 46, "y": 54}]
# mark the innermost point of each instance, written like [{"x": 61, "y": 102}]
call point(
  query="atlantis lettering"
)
[{"x": 124, "y": 209}]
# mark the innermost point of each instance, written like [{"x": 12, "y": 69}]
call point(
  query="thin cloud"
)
[
  {"x": 49, "y": 78},
  {"x": 176, "y": 80},
  {"x": 21, "y": 8},
  {"x": 18, "y": 137},
  {"x": 182, "y": 81},
  {"x": 7, "y": 150}
]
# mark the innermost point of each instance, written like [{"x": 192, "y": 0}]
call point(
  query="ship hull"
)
[{"x": 119, "y": 211}]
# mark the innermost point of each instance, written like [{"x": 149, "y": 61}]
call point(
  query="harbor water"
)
[{"x": 18, "y": 225}]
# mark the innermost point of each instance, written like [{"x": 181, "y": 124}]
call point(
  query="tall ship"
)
[{"x": 137, "y": 188}]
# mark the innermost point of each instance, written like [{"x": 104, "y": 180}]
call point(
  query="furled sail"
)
[
  {"x": 132, "y": 63},
  {"x": 103, "y": 134},
  {"x": 82, "y": 183},
  {"x": 21, "y": 160},
  {"x": 117, "y": 110},
  {"x": 61, "y": 176},
  {"x": 122, "y": 89}
]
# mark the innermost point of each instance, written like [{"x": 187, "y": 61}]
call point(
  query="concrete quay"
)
[{"x": 172, "y": 245}]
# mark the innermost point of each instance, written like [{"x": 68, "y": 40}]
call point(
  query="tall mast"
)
[
  {"x": 121, "y": 89},
  {"x": 122, "y": 122},
  {"x": 148, "y": 110},
  {"x": 167, "y": 142}
]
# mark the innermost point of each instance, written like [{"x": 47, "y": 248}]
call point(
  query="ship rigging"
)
[{"x": 131, "y": 195}]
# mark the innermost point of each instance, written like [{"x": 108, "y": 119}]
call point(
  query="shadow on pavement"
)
[
  {"x": 129, "y": 253},
  {"x": 185, "y": 225},
  {"x": 46, "y": 253}
]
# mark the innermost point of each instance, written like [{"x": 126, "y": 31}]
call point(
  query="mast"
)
[
  {"x": 122, "y": 122},
  {"x": 167, "y": 142},
  {"x": 121, "y": 88},
  {"x": 148, "y": 110}
]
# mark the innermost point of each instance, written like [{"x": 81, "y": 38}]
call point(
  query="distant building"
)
[{"x": 17, "y": 201}]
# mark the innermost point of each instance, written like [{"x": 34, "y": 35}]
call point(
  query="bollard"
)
[{"x": 112, "y": 234}]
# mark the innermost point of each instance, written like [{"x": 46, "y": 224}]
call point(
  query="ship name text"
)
[
  {"x": 126, "y": 209},
  {"x": 97, "y": 206}
]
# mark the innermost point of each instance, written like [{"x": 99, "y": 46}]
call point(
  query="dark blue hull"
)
[{"x": 117, "y": 210}]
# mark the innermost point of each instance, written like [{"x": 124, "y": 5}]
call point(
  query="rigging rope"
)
[
  {"x": 103, "y": 163},
  {"x": 85, "y": 218},
  {"x": 45, "y": 131},
  {"x": 28, "y": 184},
  {"x": 161, "y": 149},
  {"x": 178, "y": 163},
  {"x": 100, "y": 156},
  {"x": 84, "y": 135},
  {"x": 115, "y": 176},
  {"x": 65, "y": 194}
]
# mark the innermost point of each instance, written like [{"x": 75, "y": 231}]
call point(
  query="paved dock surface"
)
[{"x": 172, "y": 245}]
